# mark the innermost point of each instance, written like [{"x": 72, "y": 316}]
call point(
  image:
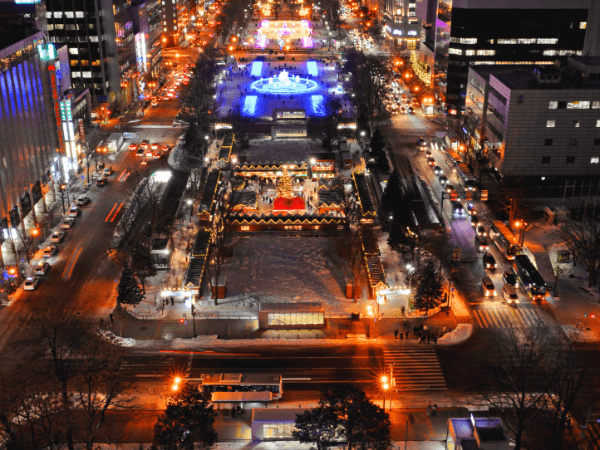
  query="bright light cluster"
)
[
  {"x": 311, "y": 67},
  {"x": 420, "y": 68},
  {"x": 283, "y": 29},
  {"x": 256, "y": 70},
  {"x": 318, "y": 105},
  {"x": 249, "y": 108}
]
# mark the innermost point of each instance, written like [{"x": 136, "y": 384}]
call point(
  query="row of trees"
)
[{"x": 61, "y": 393}]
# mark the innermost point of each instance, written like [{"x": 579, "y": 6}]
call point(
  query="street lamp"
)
[
  {"x": 384, "y": 386},
  {"x": 190, "y": 203}
]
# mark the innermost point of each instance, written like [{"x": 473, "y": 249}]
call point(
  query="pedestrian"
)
[
  {"x": 401, "y": 336},
  {"x": 428, "y": 338},
  {"x": 435, "y": 338},
  {"x": 434, "y": 409},
  {"x": 101, "y": 322},
  {"x": 403, "y": 310},
  {"x": 172, "y": 301},
  {"x": 428, "y": 409},
  {"x": 396, "y": 334},
  {"x": 112, "y": 319}
]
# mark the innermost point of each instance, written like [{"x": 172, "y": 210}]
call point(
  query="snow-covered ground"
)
[{"x": 280, "y": 150}]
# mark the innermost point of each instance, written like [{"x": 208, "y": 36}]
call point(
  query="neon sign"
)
[
  {"x": 47, "y": 51},
  {"x": 57, "y": 108}
]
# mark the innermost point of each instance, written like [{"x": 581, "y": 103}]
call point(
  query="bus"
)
[
  {"x": 242, "y": 387},
  {"x": 506, "y": 242},
  {"x": 453, "y": 159},
  {"x": 529, "y": 278},
  {"x": 467, "y": 180}
]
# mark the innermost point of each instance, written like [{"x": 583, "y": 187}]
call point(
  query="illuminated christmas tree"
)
[{"x": 284, "y": 186}]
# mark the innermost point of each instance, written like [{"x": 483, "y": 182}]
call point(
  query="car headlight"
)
[{"x": 516, "y": 301}]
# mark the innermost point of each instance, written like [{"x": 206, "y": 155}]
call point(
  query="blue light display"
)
[
  {"x": 249, "y": 108},
  {"x": 257, "y": 67},
  {"x": 318, "y": 105},
  {"x": 312, "y": 68}
]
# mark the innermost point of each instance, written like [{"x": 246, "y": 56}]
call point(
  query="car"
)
[
  {"x": 154, "y": 103},
  {"x": 140, "y": 152},
  {"x": 31, "y": 283},
  {"x": 154, "y": 146},
  {"x": 82, "y": 200},
  {"x": 481, "y": 231},
  {"x": 474, "y": 221},
  {"x": 107, "y": 171},
  {"x": 509, "y": 278},
  {"x": 471, "y": 209},
  {"x": 41, "y": 268},
  {"x": 170, "y": 95},
  {"x": 101, "y": 181},
  {"x": 100, "y": 166},
  {"x": 428, "y": 153},
  {"x": 457, "y": 208},
  {"x": 402, "y": 110},
  {"x": 57, "y": 236},
  {"x": 132, "y": 147},
  {"x": 149, "y": 153},
  {"x": 450, "y": 189},
  {"x": 437, "y": 170},
  {"x": 49, "y": 251},
  {"x": 144, "y": 144},
  {"x": 489, "y": 290},
  {"x": 443, "y": 179},
  {"x": 411, "y": 110},
  {"x": 481, "y": 243},
  {"x": 157, "y": 155},
  {"x": 165, "y": 148},
  {"x": 166, "y": 97},
  {"x": 489, "y": 262},
  {"x": 509, "y": 293},
  {"x": 144, "y": 162},
  {"x": 68, "y": 223},
  {"x": 431, "y": 161},
  {"x": 74, "y": 211}
]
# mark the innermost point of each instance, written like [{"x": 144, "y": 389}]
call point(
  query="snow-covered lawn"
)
[{"x": 281, "y": 150}]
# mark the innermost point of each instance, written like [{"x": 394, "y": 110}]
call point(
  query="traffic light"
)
[{"x": 181, "y": 320}]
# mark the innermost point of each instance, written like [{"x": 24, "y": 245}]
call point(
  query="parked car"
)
[
  {"x": 107, "y": 171},
  {"x": 68, "y": 223},
  {"x": 474, "y": 221},
  {"x": 31, "y": 283},
  {"x": 509, "y": 278},
  {"x": 74, "y": 211},
  {"x": 41, "y": 268},
  {"x": 489, "y": 262},
  {"x": 57, "y": 236},
  {"x": 488, "y": 287},
  {"x": 49, "y": 251},
  {"x": 101, "y": 181},
  {"x": 509, "y": 293},
  {"x": 481, "y": 243},
  {"x": 82, "y": 200}
]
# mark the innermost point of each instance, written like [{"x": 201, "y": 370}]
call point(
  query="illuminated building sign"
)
[
  {"x": 47, "y": 51},
  {"x": 140, "y": 52},
  {"x": 57, "y": 108},
  {"x": 27, "y": 2},
  {"x": 397, "y": 32},
  {"x": 412, "y": 32}
]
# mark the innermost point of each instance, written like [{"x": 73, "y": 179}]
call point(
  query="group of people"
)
[{"x": 422, "y": 333}]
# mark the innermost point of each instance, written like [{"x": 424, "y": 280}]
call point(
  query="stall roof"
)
[
  {"x": 226, "y": 397},
  {"x": 330, "y": 183},
  {"x": 245, "y": 197},
  {"x": 194, "y": 271},
  {"x": 201, "y": 244},
  {"x": 228, "y": 140},
  {"x": 208, "y": 197},
  {"x": 332, "y": 197},
  {"x": 364, "y": 194}
]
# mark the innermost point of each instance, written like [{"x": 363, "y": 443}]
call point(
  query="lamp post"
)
[
  {"x": 384, "y": 386},
  {"x": 190, "y": 203}
]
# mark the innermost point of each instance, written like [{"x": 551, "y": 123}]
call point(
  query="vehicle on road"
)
[
  {"x": 428, "y": 153},
  {"x": 221, "y": 387},
  {"x": 471, "y": 209},
  {"x": 154, "y": 103},
  {"x": 509, "y": 293},
  {"x": 509, "y": 278},
  {"x": 140, "y": 152},
  {"x": 68, "y": 223},
  {"x": 41, "y": 268},
  {"x": 529, "y": 277},
  {"x": 31, "y": 283},
  {"x": 431, "y": 161},
  {"x": 154, "y": 146},
  {"x": 467, "y": 180},
  {"x": 481, "y": 243},
  {"x": 457, "y": 208},
  {"x": 101, "y": 181},
  {"x": 481, "y": 231},
  {"x": 165, "y": 148},
  {"x": 504, "y": 239},
  {"x": 82, "y": 200},
  {"x": 144, "y": 145},
  {"x": 74, "y": 211},
  {"x": 144, "y": 162},
  {"x": 437, "y": 170},
  {"x": 132, "y": 147},
  {"x": 489, "y": 262},
  {"x": 57, "y": 236},
  {"x": 49, "y": 251},
  {"x": 107, "y": 171},
  {"x": 474, "y": 221},
  {"x": 488, "y": 287}
]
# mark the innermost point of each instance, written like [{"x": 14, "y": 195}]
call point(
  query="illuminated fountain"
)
[{"x": 284, "y": 85}]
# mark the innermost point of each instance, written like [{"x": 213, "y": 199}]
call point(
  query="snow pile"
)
[
  {"x": 110, "y": 337},
  {"x": 200, "y": 340},
  {"x": 460, "y": 334},
  {"x": 145, "y": 311},
  {"x": 580, "y": 335}
]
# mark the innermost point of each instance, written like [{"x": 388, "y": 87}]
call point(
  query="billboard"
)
[{"x": 140, "y": 51}]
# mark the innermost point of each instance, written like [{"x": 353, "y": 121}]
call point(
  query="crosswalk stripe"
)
[
  {"x": 415, "y": 368},
  {"x": 504, "y": 318}
]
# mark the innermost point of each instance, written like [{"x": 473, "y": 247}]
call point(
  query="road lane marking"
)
[{"x": 111, "y": 211}]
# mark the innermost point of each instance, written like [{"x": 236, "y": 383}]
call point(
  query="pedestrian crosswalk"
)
[
  {"x": 414, "y": 369},
  {"x": 505, "y": 317},
  {"x": 403, "y": 141}
]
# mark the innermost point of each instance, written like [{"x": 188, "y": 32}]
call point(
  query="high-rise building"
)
[
  {"x": 101, "y": 45},
  {"x": 177, "y": 20},
  {"x": 29, "y": 145},
  {"x": 514, "y": 32},
  {"x": 401, "y": 23}
]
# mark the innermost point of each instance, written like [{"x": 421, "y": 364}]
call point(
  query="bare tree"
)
[
  {"x": 582, "y": 238},
  {"x": 354, "y": 227},
  {"x": 219, "y": 235},
  {"x": 513, "y": 378}
]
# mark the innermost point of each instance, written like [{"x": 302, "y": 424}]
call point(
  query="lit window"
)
[
  {"x": 79, "y": 14},
  {"x": 582, "y": 25},
  {"x": 553, "y": 105},
  {"x": 595, "y": 160},
  {"x": 58, "y": 14},
  {"x": 93, "y": 38},
  {"x": 547, "y": 40},
  {"x": 597, "y": 123},
  {"x": 455, "y": 51},
  {"x": 468, "y": 40},
  {"x": 550, "y": 123},
  {"x": 549, "y": 52},
  {"x": 164, "y": 23},
  {"x": 469, "y": 52},
  {"x": 69, "y": 14},
  {"x": 76, "y": 74},
  {"x": 49, "y": 15},
  {"x": 576, "y": 124},
  {"x": 578, "y": 105},
  {"x": 507, "y": 41},
  {"x": 87, "y": 74},
  {"x": 74, "y": 51},
  {"x": 486, "y": 52},
  {"x": 595, "y": 105},
  {"x": 165, "y": 29}
]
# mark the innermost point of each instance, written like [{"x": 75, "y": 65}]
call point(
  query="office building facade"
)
[
  {"x": 513, "y": 32},
  {"x": 537, "y": 121}
]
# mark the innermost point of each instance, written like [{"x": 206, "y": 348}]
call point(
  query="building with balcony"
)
[{"x": 538, "y": 122}]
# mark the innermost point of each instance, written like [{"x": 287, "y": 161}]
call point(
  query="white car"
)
[
  {"x": 41, "y": 268},
  {"x": 82, "y": 200},
  {"x": 107, "y": 171},
  {"x": 57, "y": 236},
  {"x": 31, "y": 283},
  {"x": 49, "y": 251},
  {"x": 74, "y": 211},
  {"x": 510, "y": 294},
  {"x": 68, "y": 223}
]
